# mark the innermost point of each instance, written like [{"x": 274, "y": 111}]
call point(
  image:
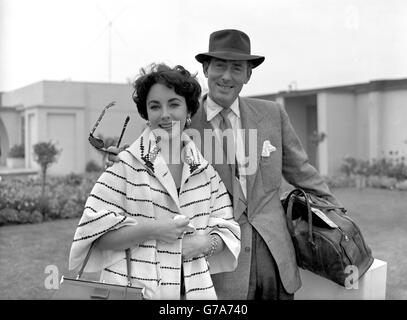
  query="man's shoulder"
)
[
  {"x": 261, "y": 102},
  {"x": 262, "y": 105}
]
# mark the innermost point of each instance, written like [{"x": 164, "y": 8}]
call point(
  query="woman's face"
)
[{"x": 166, "y": 110}]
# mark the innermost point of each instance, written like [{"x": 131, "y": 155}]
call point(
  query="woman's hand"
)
[
  {"x": 170, "y": 230},
  {"x": 195, "y": 245},
  {"x": 113, "y": 154}
]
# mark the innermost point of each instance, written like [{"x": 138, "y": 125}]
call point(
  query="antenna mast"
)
[{"x": 110, "y": 52}]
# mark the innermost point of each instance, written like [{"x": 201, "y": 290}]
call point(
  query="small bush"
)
[
  {"x": 71, "y": 209},
  {"x": 382, "y": 182},
  {"x": 342, "y": 181},
  {"x": 92, "y": 166},
  {"x": 348, "y": 165},
  {"x": 401, "y": 185},
  {"x": 73, "y": 179},
  {"x": 17, "y": 151},
  {"x": 21, "y": 201},
  {"x": 8, "y": 215},
  {"x": 35, "y": 217}
]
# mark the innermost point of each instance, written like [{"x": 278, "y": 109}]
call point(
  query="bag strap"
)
[
  {"x": 128, "y": 261},
  {"x": 290, "y": 199},
  {"x": 326, "y": 204}
]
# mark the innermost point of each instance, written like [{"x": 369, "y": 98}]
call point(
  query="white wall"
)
[
  {"x": 30, "y": 95},
  {"x": 394, "y": 122},
  {"x": 10, "y": 131},
  {"x": 340, "y": 127},
  {"x": 97, "y": 97}
]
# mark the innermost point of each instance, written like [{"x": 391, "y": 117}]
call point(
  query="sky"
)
[{"x": 308, "y": 44}]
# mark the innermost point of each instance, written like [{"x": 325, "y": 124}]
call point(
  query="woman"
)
[{"x": 162, "y": 200}]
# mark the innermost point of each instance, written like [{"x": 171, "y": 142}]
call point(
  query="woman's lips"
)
[{"x": 166, "y": 126}]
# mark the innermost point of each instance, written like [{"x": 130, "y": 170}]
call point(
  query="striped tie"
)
[
  {"x": 224, "y": 125},
  {"x": 237, "y": 196}
]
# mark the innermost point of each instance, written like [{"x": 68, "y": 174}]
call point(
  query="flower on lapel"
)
[
  {"x": 267, "y": 149},
  {"x": 152, "y": 153},
  {"x": 192, "y": 160}
]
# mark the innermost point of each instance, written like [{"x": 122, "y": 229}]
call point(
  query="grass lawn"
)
[{"x": 26, "y": 250}]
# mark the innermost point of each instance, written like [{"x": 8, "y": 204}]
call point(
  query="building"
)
[
  {"x": 65, "y": 112},
  {"x": 364, "y": 120}
]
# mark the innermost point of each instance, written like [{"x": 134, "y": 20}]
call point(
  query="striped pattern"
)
[{"x": 128, "y": 193}]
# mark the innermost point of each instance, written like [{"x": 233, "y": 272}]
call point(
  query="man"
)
[{"x": 267, "y": 266}]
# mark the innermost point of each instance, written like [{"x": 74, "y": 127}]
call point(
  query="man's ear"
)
[
  {"x": 249, "y": 73},
  {"x": 205, "y": 66}
]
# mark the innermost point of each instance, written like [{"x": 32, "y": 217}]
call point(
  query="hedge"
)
[{"x": 20, "y": 198}]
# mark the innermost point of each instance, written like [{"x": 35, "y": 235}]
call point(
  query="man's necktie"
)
[
  {"x": 238, "y": 198},
  {"x": 228, "y": 140}
]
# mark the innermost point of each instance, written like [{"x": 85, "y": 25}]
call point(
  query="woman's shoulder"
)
[
  {"x": 211, "y": 173},
  {"x": 127, "y": 161}
]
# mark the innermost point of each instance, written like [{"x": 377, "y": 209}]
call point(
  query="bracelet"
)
[{"x": 214, "y": 244}]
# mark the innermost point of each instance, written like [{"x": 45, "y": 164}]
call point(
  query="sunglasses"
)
[{"x": 98, "y": 143}]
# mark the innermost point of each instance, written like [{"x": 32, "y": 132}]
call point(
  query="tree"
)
[{"x": 45, "y": 154}]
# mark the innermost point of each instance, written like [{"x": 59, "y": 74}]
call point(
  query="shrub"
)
[
  {"x": 72, "y": 209},
  {"x": 401, "y": 185},
  {"x": 17, "y": 151},
  {"x": 340, "y": 181},
  {"x": 92, "y": 166},
  {"x": 349, "y": 165},
  {"x": 21, "y": 201},
  {"x": 382, "y": 182},
  {"x": 45, "y": 154},
  {"x": 73, "y": 179},
  {"x": 36, "y": 217},
  {"x": 8, "y": 215},
  {"x": 24, "y": 216}
]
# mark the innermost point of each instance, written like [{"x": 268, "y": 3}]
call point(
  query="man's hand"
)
[{"x": 113, "y": 154}]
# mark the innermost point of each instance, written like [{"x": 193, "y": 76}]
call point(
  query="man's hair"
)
[{"x": 178, "y": 78}]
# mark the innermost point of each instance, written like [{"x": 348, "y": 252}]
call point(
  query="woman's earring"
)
[
  {"x": 188, "y": 122},
  {"x": 148, "y": 123}
]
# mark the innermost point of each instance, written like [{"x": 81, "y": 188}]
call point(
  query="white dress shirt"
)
[{"x": 213, "y": 116}]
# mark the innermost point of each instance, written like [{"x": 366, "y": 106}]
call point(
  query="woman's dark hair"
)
[{"x": 177, "y": 78}]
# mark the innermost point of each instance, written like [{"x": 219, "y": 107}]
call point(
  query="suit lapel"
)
[{"x": 252, "y": 120}]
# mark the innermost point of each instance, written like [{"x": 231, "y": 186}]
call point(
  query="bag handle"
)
[
  {"x": 290, "y": 198},
  {"x": 128, "y": 261},
  {"x": 327, "y": 204}
]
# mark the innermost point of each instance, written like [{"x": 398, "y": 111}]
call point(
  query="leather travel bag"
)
[
  {"x": 80, "y": 289},
  {"x": 327, "y": 241}
]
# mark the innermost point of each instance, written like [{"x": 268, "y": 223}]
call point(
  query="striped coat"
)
[{"x": 140, "y": 187}]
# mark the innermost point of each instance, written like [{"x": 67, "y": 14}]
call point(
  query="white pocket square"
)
[{"x": 267, "y": 149}]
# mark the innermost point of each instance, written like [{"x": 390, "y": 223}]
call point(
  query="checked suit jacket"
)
[{"x": 264, "y": 210}]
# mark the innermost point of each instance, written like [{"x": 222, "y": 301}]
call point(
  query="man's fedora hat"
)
[{"x": 230, "y": 45}]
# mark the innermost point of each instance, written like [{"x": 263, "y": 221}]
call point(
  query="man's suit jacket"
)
[{"x": 264, "y": 210}]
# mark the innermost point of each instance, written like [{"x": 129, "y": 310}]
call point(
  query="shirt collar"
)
[{"x": 212, "y": 108}]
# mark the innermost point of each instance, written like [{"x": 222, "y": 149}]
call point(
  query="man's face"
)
[{"x": 226, "y": 79}]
